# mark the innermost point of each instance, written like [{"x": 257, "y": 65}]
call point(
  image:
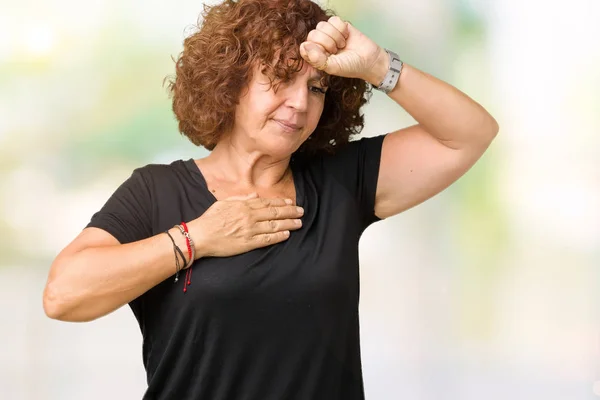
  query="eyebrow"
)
[{"x": 316, "y": 78}]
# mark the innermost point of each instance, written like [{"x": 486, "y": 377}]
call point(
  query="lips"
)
[{"x": 288, "y": 126}]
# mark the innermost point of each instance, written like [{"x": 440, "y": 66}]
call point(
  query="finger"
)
[
  {"x": 273, "y": 213},
  {"x": 324, "y": 40},
  {"x": 314, "y": 54},
  {"x": 249, "y": 196},
  {"x": 352, "y": 29},
  {"x": 273, "y": 226},
  {"x": 263, "y": 202},
  {"x": 331, "y": 31},
  {"x": 340, "y": 25},
  {"x": 267, "y": 239}
]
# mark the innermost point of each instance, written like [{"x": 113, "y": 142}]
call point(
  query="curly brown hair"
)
[{"x": 217, "y": 62}]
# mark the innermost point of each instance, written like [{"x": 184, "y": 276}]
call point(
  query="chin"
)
[
  {"x": 281, "y": 151},
  {"x": 281, "y": 145}
]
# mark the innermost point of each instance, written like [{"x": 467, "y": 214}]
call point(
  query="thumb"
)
[{"x": 314, "y": 54}]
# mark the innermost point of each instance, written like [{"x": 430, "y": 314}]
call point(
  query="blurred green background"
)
[{"x": 490, "y": 290}]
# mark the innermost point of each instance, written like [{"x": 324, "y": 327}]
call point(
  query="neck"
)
[{"x": 250, "y": 168}]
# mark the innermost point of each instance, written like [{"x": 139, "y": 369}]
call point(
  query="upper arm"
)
[
  {"x": 414, "y": 167},
  {"x": 88, "y": 238}
]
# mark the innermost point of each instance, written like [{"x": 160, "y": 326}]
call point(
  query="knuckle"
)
[
  {"x": 267, "y": 239},
  {"x": 321, "y": 25},
  {"x": 273, "y": 225},
  {"x": 274, "y": 212}
]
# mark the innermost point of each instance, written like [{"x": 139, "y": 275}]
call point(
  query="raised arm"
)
[
  {"x": 417, "y": 162},
  {"x": 452, "y": 133}
]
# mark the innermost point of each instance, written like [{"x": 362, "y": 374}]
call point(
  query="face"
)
[{"x": 276, "y": 123}]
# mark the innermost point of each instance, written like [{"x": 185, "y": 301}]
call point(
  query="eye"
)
[{"x": 318, "y": 90}]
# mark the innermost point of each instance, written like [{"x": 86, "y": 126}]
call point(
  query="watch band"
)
[{"x": 393, "y": 75}]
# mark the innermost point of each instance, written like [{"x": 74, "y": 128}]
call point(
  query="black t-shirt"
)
[{"x": 274, "y": 323}]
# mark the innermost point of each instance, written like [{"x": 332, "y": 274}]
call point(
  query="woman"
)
[{"x": 273, "y": 215}]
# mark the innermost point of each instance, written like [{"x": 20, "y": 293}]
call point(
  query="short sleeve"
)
[
  {"x": 356, "y": 167},
  {"x": 127, "y": 214}
]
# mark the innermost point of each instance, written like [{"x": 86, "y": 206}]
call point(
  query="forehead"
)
[
  {"x": 312, "y": 75},
  {"x": 313, "y": 72},
  {"x": 278, "y": 71}
]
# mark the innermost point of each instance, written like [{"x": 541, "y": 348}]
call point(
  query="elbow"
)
[
  {"x": 59, "y": 307},
  {"x": 494, "y": 127},
  {"x": 488, "y": 132},
  {"x": 59, "y": 300},
  {"x": 487, "y": 127},
  {"x": 64, "y": 298},
  {"x": 54, "y": 304},
  {"x": 63, "y": 305},
  {"x": 491, "y": 127},
  {"x": 484, "y": 136}
]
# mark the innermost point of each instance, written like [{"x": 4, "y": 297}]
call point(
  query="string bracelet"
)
[{"x": 178, "y": 253}]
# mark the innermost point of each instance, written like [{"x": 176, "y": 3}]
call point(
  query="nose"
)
[{"x": 297, "y": 96}]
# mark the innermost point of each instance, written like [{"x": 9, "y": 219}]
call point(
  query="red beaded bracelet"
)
[{"x": 191, "y": 253}]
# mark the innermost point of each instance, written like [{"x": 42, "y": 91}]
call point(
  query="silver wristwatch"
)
[{"x": 393, "y": 75}]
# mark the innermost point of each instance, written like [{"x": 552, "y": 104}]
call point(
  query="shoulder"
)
[
  {"x": 156, "y": 181},
  {"x": 160, "y": 169},
  {"x": 160, "y": 173}
]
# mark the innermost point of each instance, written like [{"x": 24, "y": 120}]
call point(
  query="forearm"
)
[
  {"x": 96, "y": 281},
  {"x": 443, "y": 111}
]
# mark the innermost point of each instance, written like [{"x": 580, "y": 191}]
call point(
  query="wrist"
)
[
  {"x": 379, "y": 68},
  {"x": 180, "y": 243},
  {"x": 200, "y": 241}
]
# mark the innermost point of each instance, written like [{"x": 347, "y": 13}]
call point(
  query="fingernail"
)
[
  {"x": 297, "y": 222},
  {"x": 300, "y": 210},
  {"x": 288, "y": 201}
]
